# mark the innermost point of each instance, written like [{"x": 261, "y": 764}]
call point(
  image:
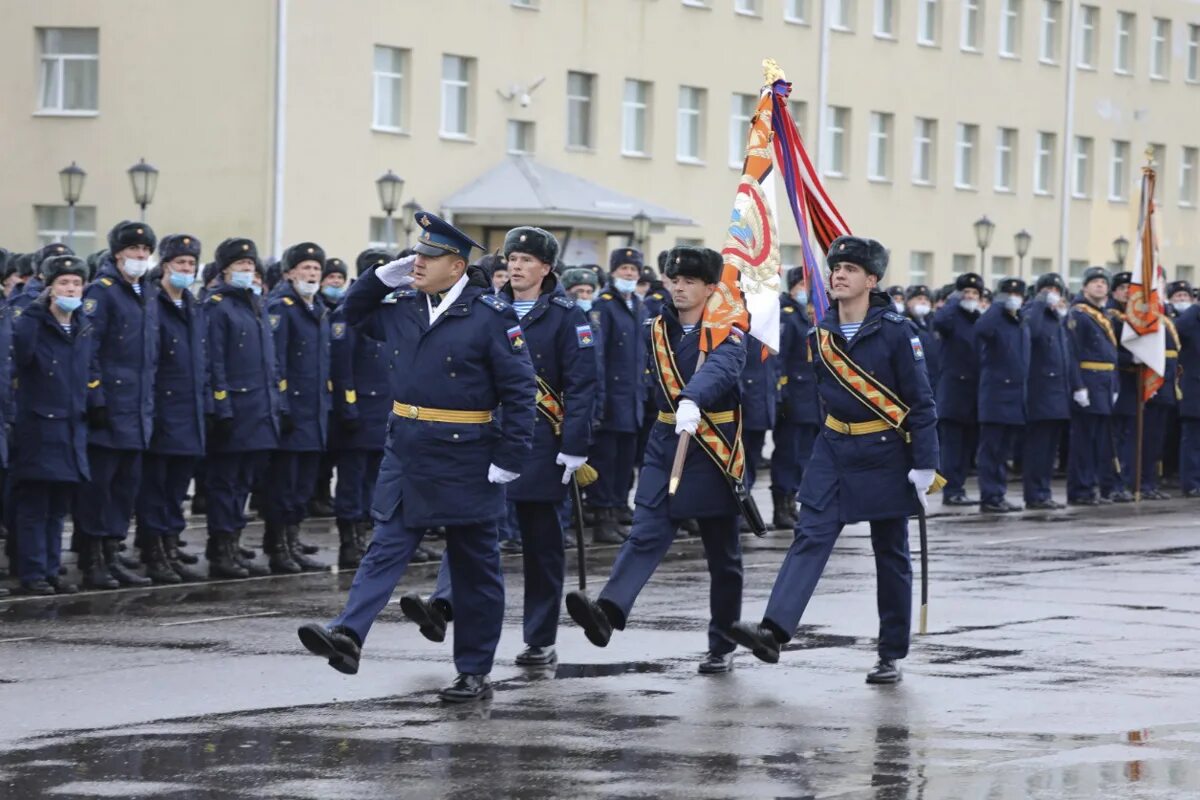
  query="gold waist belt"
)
[
  {"x": 717, "y": 417},
  {"x": 441, "y": 414}
]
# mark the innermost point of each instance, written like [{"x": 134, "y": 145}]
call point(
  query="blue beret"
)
[
  {"x": 176, "y": 245},
  {"x": 439, "y": 238}
]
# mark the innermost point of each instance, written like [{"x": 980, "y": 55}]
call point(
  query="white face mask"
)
[
  {"x": 625, "y": 285},
  {"x": 920, "y": 309},
  {"x": 135, "y": 267},
  {"x": 307, "y": 288},
  {"x": 969, "y": 305},
  {"x": 899, "y": 306},
  {"x": 1053, "y": 298},
  {"x": 1012, "y": 302},
  {"x": 801, "y": 296},
  {"x": 1181, "y": 306},
  {"x": 1062, "y": 312}
]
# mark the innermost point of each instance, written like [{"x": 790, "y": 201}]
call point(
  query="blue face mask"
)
[
  {"x": 68, "y": 304},
  {"x": 241, "y": 280},
  {"x": 182, "y": 280},
  {"x": 801, "y": 296},
  {"x": 625, "y": 285},
  {"x": 586, "y": 305},
  {"x": 334, "y": 292},
  {"x": 256, "y": 289}
]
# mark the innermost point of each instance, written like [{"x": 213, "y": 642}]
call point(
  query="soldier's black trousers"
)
[
  {"x": 1189, "y": 454},
  {"x": 104, "y": 505},
  {"x": 958, "y": 443},
  {"x": 165, "y": 482},
  {"x": 613, "y": 455},
  {"x": 1040, "y": 447},
  {"x": 356, "y": 474},
  {"x": 1091, "y": 439},
  {"x": 291, "y": 480},
  {"x": 752, "y": 444},
  {"x": 40, "y": 507},
  {"x": 230, "y": 477},
  {"x": 793, "y": 447}
]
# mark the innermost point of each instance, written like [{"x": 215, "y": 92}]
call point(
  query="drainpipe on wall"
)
[
  {"x": 281, "y": 8},
  {"x": 1068, "y": 148},
  {"x": 822, "y": 88}
]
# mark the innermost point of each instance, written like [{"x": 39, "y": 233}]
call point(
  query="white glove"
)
[
  {"x": 571, "y": 464},
  {"x": 501, "y": 476},
  {"x": 396, "y": 273},
  {"x": 1081, "y": 397},
  {"x": 921, "y": 479},
  {"x": 687, "y": 417}
]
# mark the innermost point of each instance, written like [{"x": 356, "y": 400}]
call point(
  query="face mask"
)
[
  {"x": 334, "y": 292},
  {"x": 920, "y": 309},
  {"x": 586, "y": 305},
  {"x": 135, "y": 267},
  {"x": 181, "y": 280},
  {"x": 307, "y": 288},
  {"x": 969, "y": 305},
  {"x": 1062, "y": 312},
  {"x": 256, "y": 289},
  {"x": 1181, "y": 307},
  {"x": 241, "y": 280},
  {"x": 801, "y": 296},
  {"x": 1053, "y": 298},
  {"x": 899, "y": 306},
  {"x": 1012, "y": 302},
  {"x": 68, "y": 304},
  {"x": 625, "y": 285}
]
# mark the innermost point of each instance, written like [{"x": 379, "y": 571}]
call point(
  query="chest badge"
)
[
  {"x": 584, "y": 334},
  {"x": 516, "y": 339},
  {"x": 917, "y": 348}
]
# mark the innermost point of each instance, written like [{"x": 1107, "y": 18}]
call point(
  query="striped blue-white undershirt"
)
[
  {"x": 849, "y": 329},
  {"x": 688, "y": 329},
  {"x": 523, "y": 307}
]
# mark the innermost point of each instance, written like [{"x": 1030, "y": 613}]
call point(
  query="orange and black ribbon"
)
[{"x": 864, "y": 387}]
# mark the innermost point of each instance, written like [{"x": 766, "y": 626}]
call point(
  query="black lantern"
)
[
  {"x": 390, "y": 187},
  {"x": 71, "y": 178},
  {"x": 983, "y": 237},
  {"x": 1021, "y": 240},
  {"x": 1121, "y": 249},
  {"x": 144, "y": 179}
]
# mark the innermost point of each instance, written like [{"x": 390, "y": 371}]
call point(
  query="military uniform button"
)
[
  {"x": 454, "y": 375},
  {"x": 454, "y": 436}
]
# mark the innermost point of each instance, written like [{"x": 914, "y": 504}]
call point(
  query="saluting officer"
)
[
  {"x": 1094, "y": 346},
  {"x": 958, "y": 385},
  {"x": 874, "y": 461},
  {"x": 52, "y": 351},
  {"x": 1002, "y": 344},
  {"x": 247, "y": 399},
  {"x": 121, "y": 393},
  {"x": 559, "y": 340},
  {"x": 180, "y": 397},
  {"x": 300, "y": 331},
  {"x": 459, "y": 354},
  {"x": 799, "y": 414},
  {"x": 1187, "y": 325},
  {"x": 688, "y": 398},
  {"x": 1054, "y": 379},
  {"x": 618, "y": 317}
]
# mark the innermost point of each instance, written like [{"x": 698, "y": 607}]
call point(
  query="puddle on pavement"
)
[{"x": 563, "y": 671}]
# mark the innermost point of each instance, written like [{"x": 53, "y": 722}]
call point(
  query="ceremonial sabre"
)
[
  {"x": 924, "y": 573},
  {"x": 685, "y": 439},
  {"x": 580, "y": 551}
]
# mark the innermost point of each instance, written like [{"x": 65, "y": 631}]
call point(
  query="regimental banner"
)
[{"x": 1143, "y": 333}]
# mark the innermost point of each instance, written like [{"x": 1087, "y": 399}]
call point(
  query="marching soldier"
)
[
  {"x": 1094, "y": 346},
  {"x": 52, "y": 350},
  {"x": 874, "y": 461},
  {"x": 180, "y": 395},
  {"x": 120, "y": 400},
  {"x": 1117, "y": 473},
  {"x": 958, "y": 385},
  {"x": 704, "y": 402},
  {"x": 1054, "y": 379},
  {"x": 1002, "y": 344},
  {"x": 300, "y": 332},
  {"x": 559, "y": 340},
  {"x": 459, "y": 354},
  {"x": 1187, "y": 325},
  {"x": 247, "y": 399},
  {"x": 799, "y": 414},
  {"x": 619, "y": 317}
]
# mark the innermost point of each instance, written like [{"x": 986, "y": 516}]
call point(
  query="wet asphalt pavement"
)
[{"x": 1063, "y": 661}]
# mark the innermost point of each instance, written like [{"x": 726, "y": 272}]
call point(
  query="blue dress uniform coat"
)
[
  {"x": 301, "y": 338},
  {"x": 1157, "y": 415},
  {"x": 1118, "y": 471},
  {"x": 852, "y": 478},
  {"x": 760, "y": 391},
  {"x": 957, "y": 392},
  {"x": 1187, "y": 325},
  {"x": 620, "y": 332},
  {"x": 1002, "y": 344},
  {"x": 933, "y": 348},
  {"x": 473, "y": 357},
  {"x": 1053, "y": 379},
  {"x": 1094, "y": 348},
  {"x": 703, "y": 494},
  {"x": 26, "y": 294},
  {"x": 7, "y": 399},
  {"x": 51, "y": 368},
  {"x": 799, "y": 411}
]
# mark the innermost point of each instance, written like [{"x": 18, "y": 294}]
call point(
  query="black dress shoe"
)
[
  {"x": 758, "y": 639},
  {"x": 467, "y": 689},
  {"x": 588, "y": 615},
  {"x": 61, "y": 586},
  {"x": 1000, "y": 507},
  {"x": 536, "y": 657},
  {"x": 427, "y": 615},
  {"x": 884, "y": 671},
  {"x": 1043, "y": 505},
  {"x": 713, "y": 664},
  {"x": 1155, "y": 494},
  {"x": 339, "y": 644},
  {"x": 1121, "y": 497},
  {"x": 1192, "y": 493},
  {"x": 36, "y": 589},
  {"x": 959, "y": 500},
  {"x": 511, "y": 547},
  {"x": 1083, "y": 501}
]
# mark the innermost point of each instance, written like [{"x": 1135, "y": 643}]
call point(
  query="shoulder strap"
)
[{"x": 868, "y": 390}]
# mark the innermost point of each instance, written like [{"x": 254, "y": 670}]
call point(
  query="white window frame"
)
[
  {"x": 380, "y": 78},
  {"x": 1043, "y": 164},
  {"x": 1160, "y": 49},
  {"x": 885, "y": 19},
  {"x": 1050, "y": 40},
  {"x": 59, "y": 62},
  {"x": 748, "y": 8},
  {"x": 879, "y": 147},
  {"x": 588, "y": 102},
  {"x": 739, "y": 126},
  {"x": 54, "y": 235},
  {"x": 1010, "y": 29},
  {"x": 1126, "y": 36},
  {"x": 920, "y": 266},
  {"x": 528, "y": 5},
  {"x": 1192, "y": 75},
  {"x": 966, "y": 156},
  {"x": 629, "y": 110},
  {"x": 1118, "y": 172},
  {"x": 1081, "y": 167},
  {"x": 1189, "y": 168},
  {"x": 841, "y": 17},
  {"x": 1160, "y": 165},
  {"x": 962, "y": 263},
  {"x": 928, "y": 22},
  {"x": 1007, "y": 142},
  {"x": 1089, "y": 26},
  {"x": 799, "y": 112},
  {"x": 456, "y": 86},
  {"x": 685, "y": 117},
  {"x": 524, "y": 125},
  {"x": 924, "y": 151},
  {"x": 972, "y": 13},
  {"x": 795, "y": 11},
  {"x": 697, "y": 4},
  {"x": 840, "y": 130}
]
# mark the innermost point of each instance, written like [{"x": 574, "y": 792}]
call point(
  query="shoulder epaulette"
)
[
  {"x": 404, "y": 293},
  {"x": 105, "y": 282},
  {"x": 657, "y": 296},
  {"x": 287, "y": 301},
  {"x": 214, "y": 298},
  {"x": 494, "y": 302},
  {"x": 606, "y": 296},
  {"x": 892, "y": 316},
  {"x": 565, "y": 302},
  {"x": 789, "y": 310}
]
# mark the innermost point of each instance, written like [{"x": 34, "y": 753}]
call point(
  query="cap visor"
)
[{"x": 429, "y": 250}]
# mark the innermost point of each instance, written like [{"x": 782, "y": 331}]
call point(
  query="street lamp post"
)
[
  {"x": 144, "y": 179},
  {"x": 1120, "y": 250},
  {"x": 390, "y": 186},
  {"x": 641, "y": 229},
  {"x": 1022, "y": 240},
  {"x": 410, "y": 209},
  {"x": 983, "y": 237},
  {"x": 71, "y": 178}
]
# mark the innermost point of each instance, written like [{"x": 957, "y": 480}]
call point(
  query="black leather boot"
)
[
  {"x": 349, "y": 552},
  {"x": 221, "y": 563},
  {"x": 784, "y": 516},
  {"x": 173, "y": 545},
  {"x": 363, "y": 530},
  {"x": 158, "y": 569},
  {"x": 606, "y": 530},
  {"x": 306, "y": 562},
  {"x": 247, "y": 562},
  {"x": 278, "y": 556},
  {"x": 92, "y": 565},
  {"x": 179, "y": 560},
  {"x": 112, "y": 556}
]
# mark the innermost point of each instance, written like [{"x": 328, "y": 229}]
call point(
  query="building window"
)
[
  {"x": 532, "y": 5},
  {"x": 795, "y": 11},
  {"x": 836, "y": 135},
  {"x": 1041, "y": 266},
  {"x": 879, "y": 147},
  {"x": 929, "y": 22},
  {"x": 1051, "y": 27},
  {"x": 377, "y": 233},
  {"x": 689, "y": 135},
  {"x": 799, "y": 112},
  {"x": 1160, "y": 167},
  {"x": 1126, "y": 28},
  {"x": 924, "y": 151},
  {"x": 1075, "y": 269},
  {"x": 1193, "y": 54},
  {"x": 747, "y": 7},
  {"x": 1187, "y": 176},
  {"x": 962, "y": 264},
  {"x": 456, "y": 96},
  {"x": 520, "y": 137},
  {"x": 920, "y": 267},
  {"x": 966, "y": 147},
  {"x": 1081, "y": 172},
  {"x": 1001, "y": 269},
  {"x": 790, "y": 255},
  {"x": 1043, "y": 163},
  {"x": 972, "y": 25},
  {"x": 1185, "y": 272},
  {"x": 1118, "y": 172},
  {"x": 54, "y": 225},
  {"x": 580, "y": 86},
  {"x": 741, "y": 111},
  {"x": 1089, "y": 23},
  {"x": 635, "y": 118},
  {"x": 1160, "y": 57},
  {"x": 1010, "y": 28},
  {"x": 1006, "y": 157},
  {"x": 841, "y": 16},
  {"x": 388, "y": 78},
  {"x": 885, "y": 19},
  {"x": 70, "y": 68},
  {"x": 696, "y": 3}
]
